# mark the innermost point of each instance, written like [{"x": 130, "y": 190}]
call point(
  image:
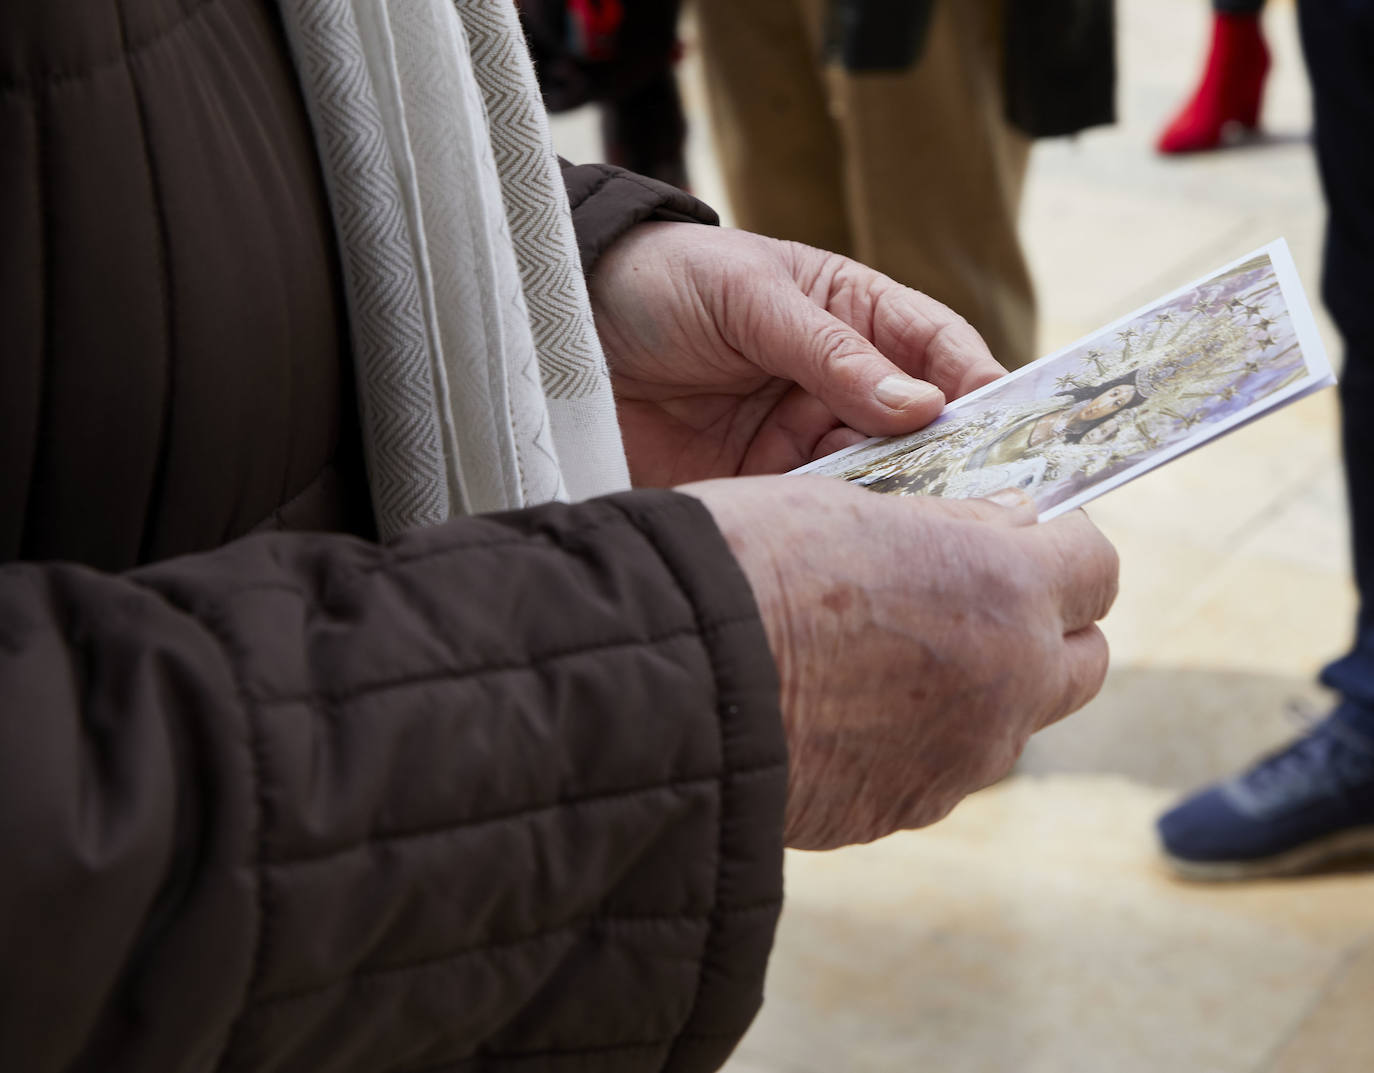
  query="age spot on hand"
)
[{"x": 839, "y": 599}]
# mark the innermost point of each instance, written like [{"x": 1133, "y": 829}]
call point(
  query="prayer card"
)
[{"x": 1185, "y": 369}]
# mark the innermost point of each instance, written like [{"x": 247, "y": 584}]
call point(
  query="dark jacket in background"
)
[
  {"x": 619, "y": 55},
  {"x": 588, "y": 51},
  {"x": 506, "y": 792},
  {"x": 1059, "y": 55}
]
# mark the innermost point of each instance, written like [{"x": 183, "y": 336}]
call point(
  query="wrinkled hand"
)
[
  {"x": 731, "y": 353},
  {"x": 920, "y": 642}
]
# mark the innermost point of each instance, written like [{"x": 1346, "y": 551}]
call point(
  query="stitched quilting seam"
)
[
  {"x": 721, "y": 744},
  {"x": 47, "y": 308},
  {"x": 536, "y": 541},
  {"x": 258, "y": 766},
  {"x": 440, "y": 830},
  {"x": 371, "y": 974},
  {"x": 363, "y": 690},
  {"x": 711, "y": 949},
  {"x": 367, "y": 976},
  {"x": 662, "y": 197},
  {"x": 614, "y": 922},
  {"x": 158, "y": 482},
  {"x": 594, "y": 189},
  {"x": 484, "y": 1059}
]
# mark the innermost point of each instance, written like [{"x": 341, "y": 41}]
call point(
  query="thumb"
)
[{"x": 801, "y": 342}]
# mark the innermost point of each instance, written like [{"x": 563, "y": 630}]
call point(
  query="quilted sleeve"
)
[
  {"x": 505, "y": 793},
  {"x": 607, "y": 201}
]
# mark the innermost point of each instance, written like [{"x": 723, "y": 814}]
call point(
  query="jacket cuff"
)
[
  {"x": 748, "y": 892},
  {"x": 607, "y": 201}
]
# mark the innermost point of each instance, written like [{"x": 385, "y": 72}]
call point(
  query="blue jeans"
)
[{"x": 1338, "y": 42}]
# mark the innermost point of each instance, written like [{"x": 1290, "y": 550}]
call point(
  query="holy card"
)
[{"x": 1191, "y": 366}]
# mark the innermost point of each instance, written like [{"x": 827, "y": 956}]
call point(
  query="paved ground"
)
[{"x": 1034, "y": 929}]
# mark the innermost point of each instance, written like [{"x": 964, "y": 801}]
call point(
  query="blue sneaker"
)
[{"x": 1308, "y": 806}]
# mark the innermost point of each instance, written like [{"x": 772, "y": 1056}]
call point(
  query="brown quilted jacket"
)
[{"x": 503, "y": 794}]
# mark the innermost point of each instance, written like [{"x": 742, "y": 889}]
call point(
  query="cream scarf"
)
[{"x": 481, "y": 381}]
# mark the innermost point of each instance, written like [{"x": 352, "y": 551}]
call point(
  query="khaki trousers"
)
[{"x": 916, "y": 173}]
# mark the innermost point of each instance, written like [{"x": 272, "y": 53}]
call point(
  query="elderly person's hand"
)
[
  {"x": 732, "y": 353},
  {"x": 919, "y": 641}
]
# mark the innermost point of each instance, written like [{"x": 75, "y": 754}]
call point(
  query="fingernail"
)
[
  {"x": 902, "y": 392},
  {"x": 1010, "y": 497}
]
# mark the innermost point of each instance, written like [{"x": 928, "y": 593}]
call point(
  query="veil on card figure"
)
[{"x": 1185, "y": 369}]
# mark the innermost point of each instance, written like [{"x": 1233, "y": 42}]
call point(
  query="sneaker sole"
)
[{"x": 1343, "y": 846}]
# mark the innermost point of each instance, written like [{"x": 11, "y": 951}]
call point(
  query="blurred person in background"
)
[
  {"x": 620, "y": 56},
  {"x": 898, "y": 132},
  {"x": 1311, "y": 803},
  {"x": 1231, "y": 90}
]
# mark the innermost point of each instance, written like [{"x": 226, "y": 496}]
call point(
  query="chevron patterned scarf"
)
[{"x": 482, "y": 385}]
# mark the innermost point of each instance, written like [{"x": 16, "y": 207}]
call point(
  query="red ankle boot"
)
[{"x": 1230, "y": 91}]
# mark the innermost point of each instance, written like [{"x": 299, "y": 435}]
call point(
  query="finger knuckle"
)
[{"x": 835, "y": 347}]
